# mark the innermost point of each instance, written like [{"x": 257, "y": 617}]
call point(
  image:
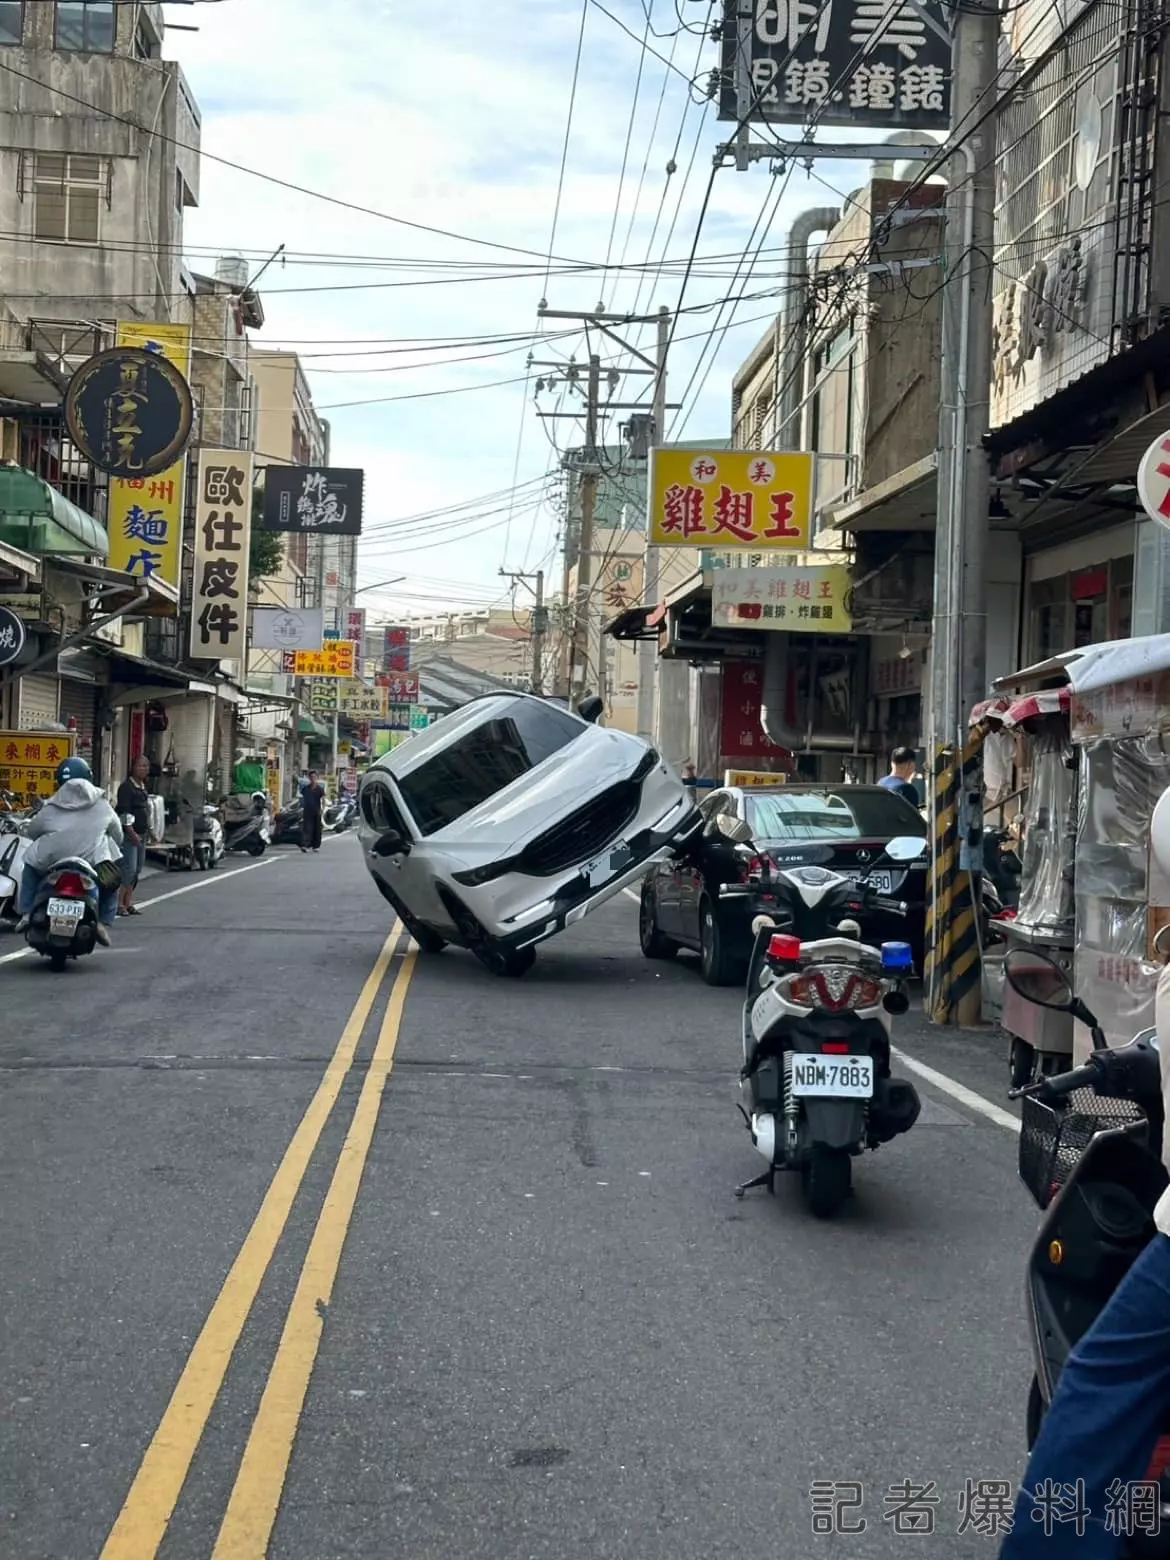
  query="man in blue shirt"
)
[{"x": 902, "y": 766}]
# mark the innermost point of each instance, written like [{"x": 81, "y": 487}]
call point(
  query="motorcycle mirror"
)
[
  {"x": 906, "y": 847},
  {"x": 1162, "y": 941},
  {"x": 896, "y": 1002},
  {"x": 1040, "y": 980},
  {"x": 736, "y": 830}
]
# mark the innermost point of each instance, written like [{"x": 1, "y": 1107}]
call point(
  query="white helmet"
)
[{"x": 1160, "y": 832}]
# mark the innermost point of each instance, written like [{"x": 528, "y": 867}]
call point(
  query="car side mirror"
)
[
  {"x": 591, "y": 709},
  {"x": 735, "y": 830},
  {"x": 391, "y": 844}
]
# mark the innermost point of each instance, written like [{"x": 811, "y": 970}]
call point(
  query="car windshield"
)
[
  {"x": 520, "y": 735},
  {"x": 847, "y": 814}
]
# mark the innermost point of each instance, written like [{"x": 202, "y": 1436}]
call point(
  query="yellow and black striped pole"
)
[{"x": 954, "y": 971}]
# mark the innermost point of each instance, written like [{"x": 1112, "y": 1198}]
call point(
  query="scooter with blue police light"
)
[{"x": 816, "y": 1086}]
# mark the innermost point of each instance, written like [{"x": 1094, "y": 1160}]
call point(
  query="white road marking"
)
[
  {"x": 959, "y": 1091},
  {"x": 630, "y": 894},
  {"x": 155, "y": 899}
]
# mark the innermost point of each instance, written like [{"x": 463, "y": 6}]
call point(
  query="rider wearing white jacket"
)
[{"x": 76, "y": 821}]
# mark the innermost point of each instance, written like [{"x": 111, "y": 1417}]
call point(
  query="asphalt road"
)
[{"x": 478, "y": 1291}]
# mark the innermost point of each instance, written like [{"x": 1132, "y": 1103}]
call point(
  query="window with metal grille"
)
[
  {"x": 87, "y": 26},
  {"x": 11, "y": 21},
  {"x": 69, "y": 190}
]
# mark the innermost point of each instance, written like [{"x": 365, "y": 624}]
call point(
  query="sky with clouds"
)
[{"x": 453, "y": 116}]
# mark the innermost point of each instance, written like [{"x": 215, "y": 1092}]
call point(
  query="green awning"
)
[
  {"x": 315, "y": 728},
  {"x": 39, "y": 519}
]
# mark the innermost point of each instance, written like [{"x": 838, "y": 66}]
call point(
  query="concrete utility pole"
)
[
  {"x": 647, "y": 650},
  {"x": 539, "y": 622},
  {"x": 579, "y": 648},
  {"x": 959, "y": 625}
]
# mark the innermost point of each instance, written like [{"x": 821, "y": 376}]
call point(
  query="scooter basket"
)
[{"x": 1053, "y": 1137}]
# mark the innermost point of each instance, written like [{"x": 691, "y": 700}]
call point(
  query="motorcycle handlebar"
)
[{"x": 1050, "y": 1089}]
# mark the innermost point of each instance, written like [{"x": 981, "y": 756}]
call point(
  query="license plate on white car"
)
[
  {"x": 608, "y": 864},
  {"x": 64, "y": 915},
  {"x": 837, "y": 1077}
]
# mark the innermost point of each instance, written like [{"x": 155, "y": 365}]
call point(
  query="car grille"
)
[{"x": 584, "y": 834}]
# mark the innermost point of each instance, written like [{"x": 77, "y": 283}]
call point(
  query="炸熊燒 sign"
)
[{"x": 324, "y": 499}]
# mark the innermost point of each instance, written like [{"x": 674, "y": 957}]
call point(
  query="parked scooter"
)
[
  {"x": 816, "y": 1083},
  {"x": 14, "y": 846},
  {"x": 1090, "y": 1155},
  {"x": 339, "y": 815},
  {"x": 208, "y": 844},
  {"x": 288, "y": 826},
  {"x": 64, "y": 919},
  {"x": 247, "y": 823}
]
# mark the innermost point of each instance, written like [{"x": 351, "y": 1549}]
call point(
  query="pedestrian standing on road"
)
[
  {"x": 312, "y": 804},
  {"x": 133, "y": 803},
  {"x": 903, "y": 763}
]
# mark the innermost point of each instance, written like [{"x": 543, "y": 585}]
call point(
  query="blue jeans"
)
[
  {"x": 1111, "y": 1404},
  {"x": 31, "y": 880}
]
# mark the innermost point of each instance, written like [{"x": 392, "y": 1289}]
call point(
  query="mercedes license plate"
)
[
  {"x": 608, "y": 864},
  {"x": 64, "y": 916},
  {"x": 832, "y": 1077},
  {"x": 880, "y": 882}
]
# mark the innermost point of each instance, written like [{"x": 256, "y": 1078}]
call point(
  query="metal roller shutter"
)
[
  {"x": 78, "y": 703},
  {"x": 38, "y": 703}
]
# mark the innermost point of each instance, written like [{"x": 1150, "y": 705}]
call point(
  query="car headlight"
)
[
  {"x": 474, "y": 877},
  {"x": 649, "y": 760}
]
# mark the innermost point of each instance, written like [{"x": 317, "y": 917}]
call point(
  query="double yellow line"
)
[{"x": 255, "y": 1498}]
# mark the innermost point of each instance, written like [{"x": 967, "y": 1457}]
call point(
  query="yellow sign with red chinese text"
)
[
  {"x": 760, "y": 499},
  {"x": 146, "y": 516},
  {"x": 807, "y": 599},
  {"x": 29, "y": 759},
  {"x": 336, "y": 658},
  {"x": 752, "y": 779}
]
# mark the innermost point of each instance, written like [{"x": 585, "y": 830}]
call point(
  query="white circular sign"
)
[
  {"x": 1153, "y": 480},
  {"x": 704, "y": 469},
  {"x": 761, "y": 471}
]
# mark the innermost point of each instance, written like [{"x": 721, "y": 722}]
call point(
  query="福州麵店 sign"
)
[
  {"x": 129, "y": 412},
  {"x": 146, "y": 513},
  {"x": 336, "y": 658},
  {"x": 223, "y": 530},
  {"x": 323, "y": 499},
  {"x": 802, "y": 600},
  {"x": 882, "y": 63},
  {"x": 29, "y": 759},
  {"x": 715, "y": 498}
]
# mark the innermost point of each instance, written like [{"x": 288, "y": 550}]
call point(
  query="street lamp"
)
[{"x": 397, "y": 580}]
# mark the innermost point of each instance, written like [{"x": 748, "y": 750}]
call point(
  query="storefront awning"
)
[
  {"x": 636, "y": 623},
  {"x": 118, "y": 590},
  {"x": 314, "y": 729},
  {"x": 905, "y": 501},
  {"x": 40, "y": 520}
]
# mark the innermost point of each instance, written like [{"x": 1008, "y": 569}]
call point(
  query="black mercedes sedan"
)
[{"x": 706, "y": 900}]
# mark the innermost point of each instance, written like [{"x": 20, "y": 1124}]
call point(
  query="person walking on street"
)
[
  {"x": 312, "y": 803},
  {"x": 903, "y": 763},
  {"x": 133, "y": 803}
]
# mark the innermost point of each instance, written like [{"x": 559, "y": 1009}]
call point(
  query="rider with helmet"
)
[{"x": 76, "y": 821}]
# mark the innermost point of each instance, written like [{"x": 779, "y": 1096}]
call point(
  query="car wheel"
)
[
  {"x": 717, "y": 967},
  {"x": 655, "y": 944},
  {"x": 428, "y": 941},
  {"x": 512, "y": 962}
]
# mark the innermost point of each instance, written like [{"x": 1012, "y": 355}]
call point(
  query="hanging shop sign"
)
[
  {"x": 12, "y": 636},
  {"x": 741, "y": 731},
  {"x": 29, "y": 759},
  {"x": 146, "y": 512},
  {"x": 324, "y": 499},
  {"x": 421, "y": 717},
  {"x": 129, "y": 412},
  {"x": 273, "y": 782},
  {"x": 804, "y": 600},
  {"x": 336, "y": 658},
  {"x": 348, "y": 696},
  {"x": 396, "y": 648},
  {"x": 402, "y": 687},
  {"x": 397, "y": 717},
  {"x": 880, "y": 63},
  {"x": 355, "y": 629},
  {"x": 223, "y": 529},
  {"x": 285, "y": 628},
  {"x": 760, "y": 499},
  {"x": 752, "y": 779},
  {"x": 1153, "y": 480}
]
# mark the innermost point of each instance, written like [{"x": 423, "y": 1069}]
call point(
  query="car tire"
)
[
  {"x": 717, "y": 966},
  {"x": 507, "y": 962},
  {"x": 428, "y": 941},
  {"x": 655, "y": 944}
]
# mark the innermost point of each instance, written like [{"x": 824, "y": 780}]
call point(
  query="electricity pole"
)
[
  {"x": 539, "y": 623},
  {"x": 959, "y": 626},
  {"x": 647, "y": 650},
  {"x": 579, "y": 645}
]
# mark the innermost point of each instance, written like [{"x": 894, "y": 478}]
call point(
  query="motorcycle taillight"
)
[
  {"x": 70, "y": 886},
  {"x": 836, "y": 988},
  {"x": 1160, "y": 1461}
]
